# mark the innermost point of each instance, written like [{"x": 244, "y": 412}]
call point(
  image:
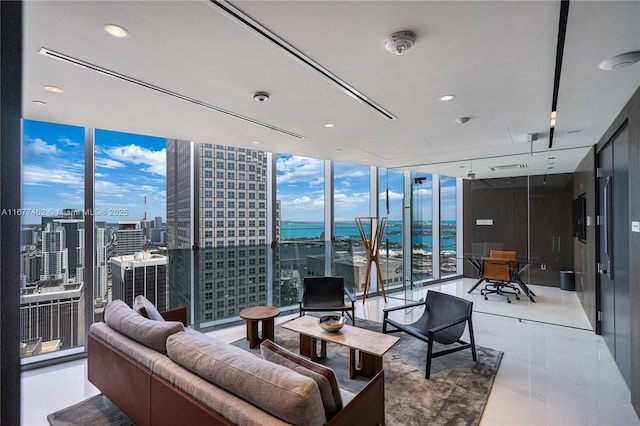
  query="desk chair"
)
[
  {"x": 499, "y": 271},
  {"x": 324, "y": 294}
]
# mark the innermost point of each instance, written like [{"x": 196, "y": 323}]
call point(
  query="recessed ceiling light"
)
[
  {"x": 116, "y": 30},
  {"x": 39, "y": 103},
  {"x": 446, "y": 98},
  {"x": 462, "y": 120},
  {"x": 53, "y": 89},
  {"x": 329, "y": 125},
  {"x": 338, "y": 149},
  {"x": 365, "y": 160},
  {"x": 620, "y": 61},
  {"x": 255, "y": 142}
]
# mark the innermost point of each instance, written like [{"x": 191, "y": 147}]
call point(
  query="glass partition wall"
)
[{"x": 520, "y": 203}]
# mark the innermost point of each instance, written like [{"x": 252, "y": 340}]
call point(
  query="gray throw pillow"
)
[
  {"x": 119, "y": 316},
  {"x": 144, "y": 307}
]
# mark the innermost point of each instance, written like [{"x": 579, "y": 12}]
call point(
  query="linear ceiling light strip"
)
[
  {"x": 68, "y": 59},
  {"x": 267, "y": 35},
  {"x": 562, "y": 33}
]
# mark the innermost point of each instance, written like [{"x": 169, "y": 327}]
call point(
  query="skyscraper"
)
[
  {"x": 142, "y": 273},
  {"x": 101, "y": 268},
  {"x": 54, "y": 253},
  {"x": 221, "y": 230},
  {"x": 128, "y": 237}
]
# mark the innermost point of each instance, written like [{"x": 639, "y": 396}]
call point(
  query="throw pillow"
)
[
  {"x": 323, "y": 376},
  {"x": 275, "y": 389},
  {"x": 119, "y": 316},
  {"x": 144, "y": 307}
]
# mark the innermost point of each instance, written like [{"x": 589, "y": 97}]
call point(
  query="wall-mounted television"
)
[{"x": 580, "y": 218}]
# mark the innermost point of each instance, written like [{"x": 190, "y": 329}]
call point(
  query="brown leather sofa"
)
[{"x": 152, "y": 389}]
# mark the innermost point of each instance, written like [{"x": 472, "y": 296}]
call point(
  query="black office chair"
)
[
  {"x": 444, "y": 320},
  {"x": 324, "y": 294}
]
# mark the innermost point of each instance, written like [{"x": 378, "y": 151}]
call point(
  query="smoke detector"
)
[
  {"x": 399, "y": 42},
  {"x": 620, "y": 61},
  {"x": 261, "y": 96}
]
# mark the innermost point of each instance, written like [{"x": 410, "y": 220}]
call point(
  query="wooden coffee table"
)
[
  {"x": 253, "y": 316},
  {"x": 366, "y": 347}
]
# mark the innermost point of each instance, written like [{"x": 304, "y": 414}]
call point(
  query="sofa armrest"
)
[
  {"x": 179, "y": 314},
  {"x": 366, "y": 408}
]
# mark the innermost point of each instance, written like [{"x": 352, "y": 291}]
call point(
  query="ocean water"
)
[{"x": 422, "y": 233}]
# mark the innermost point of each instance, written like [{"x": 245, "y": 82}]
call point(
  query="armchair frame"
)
[
  {"x": 430, "y": 327},
  {"x": 326, "y": 294}
]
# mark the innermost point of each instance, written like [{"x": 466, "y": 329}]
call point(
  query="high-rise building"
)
[
  {"x": 221, "y": 230},
  {"x": 51, "y": 318},
  {"x": 62, "y": 247},
  {"x": 54, "y": 253},
  {"x": 128, "y": 238},
  {"x": 142, "y": 273},
  {"x": 29, "y": 236},
  {"x": 74, "y": 236},
  {"x": 101, "y": 267}
]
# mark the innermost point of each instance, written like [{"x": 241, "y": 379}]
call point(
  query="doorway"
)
[{"x": 613, "y": 265}]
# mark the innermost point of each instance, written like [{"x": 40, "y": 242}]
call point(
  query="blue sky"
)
[
  {"x": 127, "y": 167},
  {"x": 300, "y": 183}
]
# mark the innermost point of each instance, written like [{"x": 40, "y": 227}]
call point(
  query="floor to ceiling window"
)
[
  {"x": 351, "y": 199},
  {"x": 448, "y": 226},
  {"x": 211, "y": 253},
  {"x": 391, "y": 189},
  {"x": 422, "y": 227},
  {"x": 130, "y": 233},
  {"x": 300, "y": 223},
  {"x": 52, "y": 248}
]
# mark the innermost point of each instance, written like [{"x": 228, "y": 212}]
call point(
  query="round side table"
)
[{"x": 253, "y": 316}]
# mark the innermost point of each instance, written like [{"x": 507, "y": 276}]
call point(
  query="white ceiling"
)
[{"x": 497, "y": 58}]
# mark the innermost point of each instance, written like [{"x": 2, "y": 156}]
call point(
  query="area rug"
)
[
  {"x": 456, "y": 393},
  {"x": 95, "y": 411}
]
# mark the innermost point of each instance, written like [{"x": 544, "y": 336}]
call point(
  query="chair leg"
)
[
  {"x": 472, "y": 340},
  {"x": 427, "y": 373}
]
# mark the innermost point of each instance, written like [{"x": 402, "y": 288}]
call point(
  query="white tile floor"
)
[{"x": 555, "y": 370}]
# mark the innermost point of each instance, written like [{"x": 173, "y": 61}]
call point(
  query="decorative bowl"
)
[{"x": 332, "y": 323}]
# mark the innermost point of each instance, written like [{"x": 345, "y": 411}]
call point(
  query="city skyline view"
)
[{"x": 128, "y": 167}]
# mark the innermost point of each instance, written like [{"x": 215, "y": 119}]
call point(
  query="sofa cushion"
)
[
  {"x": 323, "y": 376},
  {"x": 276, "y": 389},
  {"x": 119, "y": 316},
  {"x": 144, "y": 307}
]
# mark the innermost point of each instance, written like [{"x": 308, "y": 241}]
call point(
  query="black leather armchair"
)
[
  {"x": 444, "y": 319},
  {"x": 324, "y": 294}
]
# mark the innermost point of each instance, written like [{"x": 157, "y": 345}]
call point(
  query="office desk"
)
[{"x": 476, "y": 262}]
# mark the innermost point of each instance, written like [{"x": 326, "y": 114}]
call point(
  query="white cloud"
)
[
  {"x": 153, "y": 161},
  {"x": 350, "y": 171},
  {"x": 292, "y": 170},
  {"x": 68, "y": 141},
  {"x": 40, "y": 147},
  {"x": 39, "y": 176},
  {"x": 108, "y": 163},
  {"x": 420, "y": 192},
  {"x": 392, "y": 195}
]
